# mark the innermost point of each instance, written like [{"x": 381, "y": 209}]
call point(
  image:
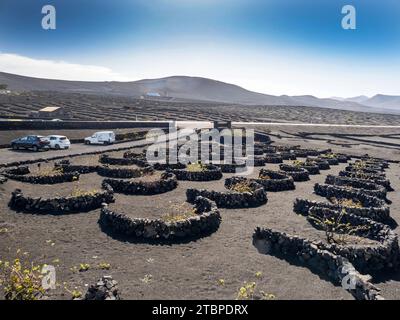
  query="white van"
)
[{"x": 102, "y": 137}]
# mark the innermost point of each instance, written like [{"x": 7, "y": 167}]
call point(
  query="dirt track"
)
[{"x": 9, "y": 155}]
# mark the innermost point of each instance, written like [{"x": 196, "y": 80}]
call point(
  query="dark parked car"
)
[{"x": 35, "y": 143}]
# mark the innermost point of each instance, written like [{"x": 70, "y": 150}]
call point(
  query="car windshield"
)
[{"x": 63, "y": 138}]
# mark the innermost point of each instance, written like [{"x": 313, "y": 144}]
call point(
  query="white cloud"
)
[
  {"x": 50, "y": 69},
  {"x": 270, "y": 70}
]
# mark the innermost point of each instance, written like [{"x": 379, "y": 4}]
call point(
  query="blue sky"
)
[{"x": 271, "y": 46}]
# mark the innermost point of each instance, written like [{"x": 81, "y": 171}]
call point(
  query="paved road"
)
[
  {"x": 208, "y": 124},
  {"x": 312, "y": 125},
  {"x": 9, "y": 155}
]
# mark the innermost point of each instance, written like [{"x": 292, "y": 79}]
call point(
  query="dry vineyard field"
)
[
  {"x": 97, "y": 107},
  {"x": 293, "y": 229}
]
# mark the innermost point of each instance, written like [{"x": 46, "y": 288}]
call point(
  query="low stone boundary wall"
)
[
  {"x": 369, "y": 166},
  {"x": 232, "y": 199},
  {"x": 283, "y": 148},
  {"x": 379, "y": 214},
  {"x": 355, "y": 183},
  {"x": 378, "y": 179},
  {"x": 206, "y": 222},
  {"x": 123, "y": 173},
  {"x": 269, "y": 149},
  {"x": 106, "y": 159},
  {"x": 331, "y": 161},
  {"x": 367, "y": 197},
  {"x": 133, "y": 154},
  {"x": 232, "y": 168},
  {"x": 371, "y": 258},
  {"x": 167, "y": 166},
  {"x": 258, "y": 151},
  {"x": 273, "y": 158},
  {"x": 167, "y": 183},
  {"x": 37, "y": 124},
  {"x": 317, "y": 259},
  {"x": 22, "y": 170},
  {"x": 38, "y": 179},
  {"x": 288, "y": 155},
  {"x": 373, "y": 170},
  {"x": 313, "y": 169},
  {"x": 298, "y": 174},
  {"x": 343, "y": 158},
  {"x": 278, "y": 181},
  {"x": 60, "y": 205},
  {"x": 382, "y": 162},
  {"x": 322, "y": 164},
  {"x": 212, "y": 173},
  {"x": 257, "y": 161},
  {"x": 337, "y": 157},
  {"x": 82, "y": 169},
  {"x": 381, "y": 165},
  {"x": 300, "y": 153},
  {"x": 304, "y": 153},
  {"x": 105, "y": 171}
]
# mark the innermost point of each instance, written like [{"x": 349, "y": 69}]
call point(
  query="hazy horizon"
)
[{"x": 189, "y": 76}]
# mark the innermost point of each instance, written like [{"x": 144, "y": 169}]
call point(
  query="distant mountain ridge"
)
[
  {"x": 200, "y": 89},
  {"x": 358, "y": 99},
  {"x": 384, "y": 102}
]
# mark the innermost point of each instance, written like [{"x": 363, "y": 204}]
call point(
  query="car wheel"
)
[
  {"x": 14, "y": 147},
  {"x": 57, "y": 147},
  {"x": 35, "y": 148},
  {"x": 87, "y": 142}
]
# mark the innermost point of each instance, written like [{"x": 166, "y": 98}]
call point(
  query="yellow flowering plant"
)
[{"x": 21, "y": 280}]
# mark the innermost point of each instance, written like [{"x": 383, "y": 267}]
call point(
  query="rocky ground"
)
[{"x": 189, "y": 270}]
